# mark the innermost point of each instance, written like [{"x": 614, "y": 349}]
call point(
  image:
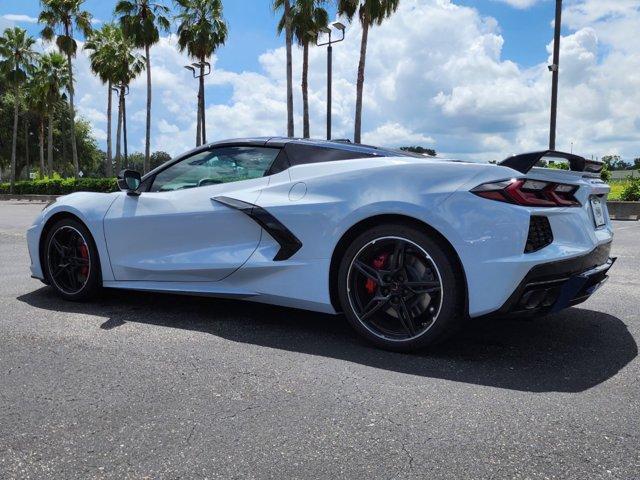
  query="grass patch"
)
[{"x": 617, "y": 186}]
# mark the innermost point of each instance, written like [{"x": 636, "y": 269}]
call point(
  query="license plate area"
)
[{"x": 597, "y": 208}]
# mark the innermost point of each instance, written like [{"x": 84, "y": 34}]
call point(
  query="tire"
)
[
  {"x": 69, "y": 242},
  {"x": 377, "y": 295}
]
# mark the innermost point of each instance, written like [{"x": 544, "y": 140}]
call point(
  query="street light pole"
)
[
  {"x": 340, "y": 27},
  {"x": 199, "y": 70},
  {"x": 329, "y": 86},
  {"x": 554, "y": 75},
  {"x": 125, "y": 92}
]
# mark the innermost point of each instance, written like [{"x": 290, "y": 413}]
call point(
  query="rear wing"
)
[{"x": 526, "y": 161}]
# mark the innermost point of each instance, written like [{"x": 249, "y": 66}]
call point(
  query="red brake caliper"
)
[
  {"x": 378, "y": 263},
  {"x": 84, "y": 253}
]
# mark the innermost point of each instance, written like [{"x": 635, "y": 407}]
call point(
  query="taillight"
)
[{"x": 530, "y": 193}]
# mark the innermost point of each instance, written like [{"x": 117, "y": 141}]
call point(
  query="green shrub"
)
[
  {"x": 631, "y": 192},
  {"x": 605, "y": 175},
  {"x": 61, "y": 186}
]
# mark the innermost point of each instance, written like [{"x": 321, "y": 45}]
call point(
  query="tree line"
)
[
  {"x": 40, "y": 86},
  {"x": 615, "y": 162}
]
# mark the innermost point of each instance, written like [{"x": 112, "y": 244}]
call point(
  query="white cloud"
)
[
  {"x": 14, "y": 17},
  {"x": 396, "y": 135},
  {"x": 166, "y": 127},
  {"x": 520, "y": 3}
]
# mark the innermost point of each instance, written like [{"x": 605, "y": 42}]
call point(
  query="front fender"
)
[{"x": 90, "y": 208}]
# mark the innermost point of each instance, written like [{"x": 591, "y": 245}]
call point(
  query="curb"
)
[
  {"x": 28, "y": 198},
  {"x": 624, "y": 210}
]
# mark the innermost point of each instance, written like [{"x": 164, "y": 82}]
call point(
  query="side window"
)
[
  {"x": 300, "y": 154},
  {"x": 219, "y": 165}
]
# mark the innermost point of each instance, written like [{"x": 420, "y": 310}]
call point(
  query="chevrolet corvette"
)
[{"x": 408, "y": 247}]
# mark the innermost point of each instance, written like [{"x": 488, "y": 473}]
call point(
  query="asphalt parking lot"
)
[{"x": 159, "y": 386}]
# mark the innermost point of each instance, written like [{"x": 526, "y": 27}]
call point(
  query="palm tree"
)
[
  {"x": 370, "y": 12},
  {"x": 285, "y": 24},
  {"x": 201, "y": 31},
  {"x": 140, "y": 20},
  {"x": 63, "y": 16},
  {"x": 308, "y": 17},
  {"x": 54, "y": 73},
  {"x": 37, "y": 101},
  {"x": 131, "y": 64},
  {"x": 104, "y": 63},
  {"x": 18, "y": 57}
]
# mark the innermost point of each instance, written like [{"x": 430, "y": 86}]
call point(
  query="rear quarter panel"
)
[{"x": 336, "y": 196}]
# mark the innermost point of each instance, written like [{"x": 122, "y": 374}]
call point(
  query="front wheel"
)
[
  {"x": 399, "y": 288},
  {"x": 70, "y": 260}
]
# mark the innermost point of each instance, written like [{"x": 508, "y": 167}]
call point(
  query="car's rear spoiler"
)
[{"x": 526, "y": 161}]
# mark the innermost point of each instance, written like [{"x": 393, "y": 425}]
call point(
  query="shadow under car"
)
[{"x": 570, "y": 351}]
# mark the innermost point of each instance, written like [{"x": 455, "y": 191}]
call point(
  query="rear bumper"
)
[{"x": 551, "y": 287}]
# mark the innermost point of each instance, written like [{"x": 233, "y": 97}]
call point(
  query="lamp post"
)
[
  {"x": 340, "y": 27},
  {"x": 554, "y": 69},
  {"x": 199, "y": 70},
  {"x": 123, "y": 90}
]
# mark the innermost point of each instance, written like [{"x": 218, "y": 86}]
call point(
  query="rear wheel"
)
[
  {"x": 70, "y": 260},
  {"x": 399, "y": 289}
]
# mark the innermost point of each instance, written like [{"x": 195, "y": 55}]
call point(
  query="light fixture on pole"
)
[
  {"x": 326, "y": 30},
  {"x": 199, "y": 70},
  {"x": 555, "y": 71}
]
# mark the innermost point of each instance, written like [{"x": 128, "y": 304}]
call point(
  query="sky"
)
[{"x": 468, "y": 78}]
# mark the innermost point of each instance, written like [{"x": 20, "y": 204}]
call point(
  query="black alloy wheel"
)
[
  {"x": 71, "y": 260},
  {"x": 399, "y": 289}
]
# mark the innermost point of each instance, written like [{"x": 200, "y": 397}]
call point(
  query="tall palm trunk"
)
[
  {"x": 72, "y": 112},
  {"x": 202, "y": 114},
  {"x": 119, "y": 135},
  {"x": 109, "y": 167},
  {"x": 14, "y": 141},
  {"x": 289, "y": 42},
  {"x": 26, "y": 148},
  {"x": 147, "y": 143},
  {"x": 50, "y": 146},
  {"x": 360, "y": 82},
  {"x": 65, "y": 147},
  {"x": 41, "y": 142},
  {"x": 305, "y": 90}
]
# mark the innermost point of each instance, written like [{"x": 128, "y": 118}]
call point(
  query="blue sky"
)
[{"x": 467, "y": 77}]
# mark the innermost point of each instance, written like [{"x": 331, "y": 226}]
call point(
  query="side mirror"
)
[{"x": 129, "y": 181}]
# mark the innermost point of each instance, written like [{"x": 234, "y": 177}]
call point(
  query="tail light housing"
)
[{"x": 529, "y": 193}]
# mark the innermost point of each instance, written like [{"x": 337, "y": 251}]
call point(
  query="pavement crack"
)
[{"x": 193, "y": 428}]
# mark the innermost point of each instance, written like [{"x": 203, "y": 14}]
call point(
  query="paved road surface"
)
[{"x": 157, "y": 386}]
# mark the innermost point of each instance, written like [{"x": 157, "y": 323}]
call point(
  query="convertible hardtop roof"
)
[
  {"x": 295, "y": 151},
  {"x": 344, "y": 145}
]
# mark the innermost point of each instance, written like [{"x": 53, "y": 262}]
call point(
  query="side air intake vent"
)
[{"x": 540, "y": 234}]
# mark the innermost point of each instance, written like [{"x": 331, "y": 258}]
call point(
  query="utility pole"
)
[
  {"x": 341, "y": 28},
  {"x": 199, "y": 70},
  {"x": 122, "y": 90},
  {"x": 554, "y": 69}
]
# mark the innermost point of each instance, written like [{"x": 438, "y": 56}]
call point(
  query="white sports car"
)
[{"x": 406, "y": 246}]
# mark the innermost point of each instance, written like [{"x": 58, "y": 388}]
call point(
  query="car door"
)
[{"x": 176, "y": 231}]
